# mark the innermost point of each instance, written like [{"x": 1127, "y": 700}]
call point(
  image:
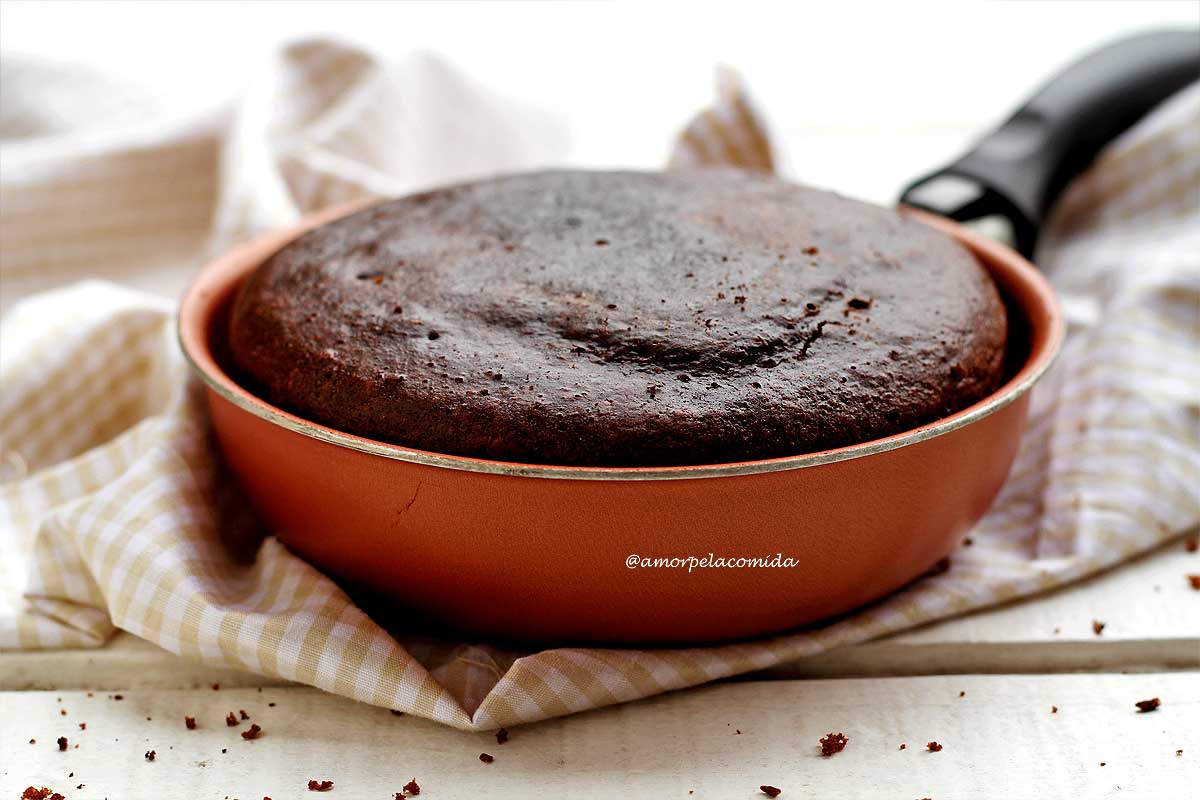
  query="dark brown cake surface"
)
[{"x": 599, "y": 318}]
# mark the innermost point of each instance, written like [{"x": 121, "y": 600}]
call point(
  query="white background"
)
[{"x": 861, "y": 96}]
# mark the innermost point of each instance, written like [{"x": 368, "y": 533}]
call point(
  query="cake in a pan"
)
[{"x": 621, "y": 319}]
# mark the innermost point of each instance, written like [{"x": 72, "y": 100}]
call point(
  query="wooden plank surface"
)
[
  {"x": 1000, "y": 740},
  {"x": 1151, "y": 616}
]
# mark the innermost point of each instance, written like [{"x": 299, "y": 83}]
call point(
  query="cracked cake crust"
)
[{"x": 621, "y": 319}]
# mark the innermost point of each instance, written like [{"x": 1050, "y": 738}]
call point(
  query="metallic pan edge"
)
[{"x": 984, "y": 249}]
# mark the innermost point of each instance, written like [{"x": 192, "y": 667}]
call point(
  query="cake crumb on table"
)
[
  {"x": 770, "y": 791},
  {"x": 833, "y": 743},
  {"x": 933, "y": 747},
  {"x": 1098, "y": 627},
  {"x": 43, "y": 793},
  {"x": 486, "y": 758},
  {"x": 253, "y": 732},
  {"x": 320, "y": 786},
  {"x": 1145, "y": 706}
]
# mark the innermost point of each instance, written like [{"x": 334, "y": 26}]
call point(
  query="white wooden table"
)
[{"x": 1000, "y": 739}]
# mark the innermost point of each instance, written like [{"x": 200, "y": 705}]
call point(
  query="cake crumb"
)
[
  {"x": 62, "y": 743},
  {"x": 43, "y": 793},
  {"x": 833, "y": 743},
  {"x": 252, "y": 733},
  {"x": 1053, "y": 709},
  {"x": 502, "y": 736},
  {"x": 933, "y": 747},
  {"x": 1194, "y": 580},
  {"x": 151, "y": 755},
  {"x": 770, "y": 791},
  {"x": 320, "y": 786},
  {"x": 903, "y": 746},
  {"x": 231, "y": 719},
  {"x": 1097, "y": 627},
  {"x": 190, "y": 723},
  {"x": 412, "y": 788},
  {"x": 1146, "y": 706},
  {"x": 486, "y": 758}
]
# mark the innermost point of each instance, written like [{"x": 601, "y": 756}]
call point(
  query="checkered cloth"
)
[{"x": 115, "y": 512}]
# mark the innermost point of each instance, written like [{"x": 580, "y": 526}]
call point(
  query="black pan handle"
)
[{"x": 1018, "y": 170}]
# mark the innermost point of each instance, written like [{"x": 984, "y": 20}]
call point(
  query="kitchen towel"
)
[{"x": 115, "y": 512}]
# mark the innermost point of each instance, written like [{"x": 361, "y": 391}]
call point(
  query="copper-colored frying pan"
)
[{"x": 542, "y": 552}]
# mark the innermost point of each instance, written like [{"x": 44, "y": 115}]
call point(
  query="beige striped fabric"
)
[
  {"x": 730, "y": 134},
  {"x": 115, "y": 512}
]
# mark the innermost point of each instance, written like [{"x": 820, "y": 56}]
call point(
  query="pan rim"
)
[{"x": 213, "y": 282}]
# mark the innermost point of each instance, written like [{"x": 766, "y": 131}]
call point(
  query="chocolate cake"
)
[{"x": 621, "y": 319}]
